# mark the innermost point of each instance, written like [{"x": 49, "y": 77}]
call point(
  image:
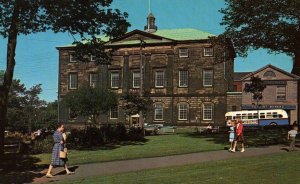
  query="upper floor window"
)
[
  {"x": 207, "y": 111},
  {"x": 183, "y": 78},
  {"x": 183, "y": 52},
  {"x": 159, "y": 79},
  {"x": 183, "y": 111},
  {"x": 158, "y": 111},
  {"x": 207, "y": 77},
  {"x": 136, "y": 79},
  {"x": 72, "y": 59},
  {"x": 114, "y": 79},
  {"x": 114, "y": 113},
  {"x": 73, "y": 81},
  {"x": 93, "y": 79},
  {"x": 281, "y": 93},
  {"x": 208, "y": 51}
]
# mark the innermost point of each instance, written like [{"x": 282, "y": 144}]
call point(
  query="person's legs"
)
[
  {"x": 234, "y": 146},
  {"x": 67, "y": 170},
  {"x": 49, "y": 175},
  {"x": 243, "y": 145},
  {"x": 292, "y": 145}
]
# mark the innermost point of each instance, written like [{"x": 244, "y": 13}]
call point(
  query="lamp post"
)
[{"x": 141, "y": 118}]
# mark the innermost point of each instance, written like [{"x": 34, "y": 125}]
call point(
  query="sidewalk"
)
[{"x": 106, "y": 168}]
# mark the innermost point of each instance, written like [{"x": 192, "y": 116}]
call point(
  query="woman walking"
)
[
  {"x": 231, "y": 134},
  {"x": 59, "y": 145}
]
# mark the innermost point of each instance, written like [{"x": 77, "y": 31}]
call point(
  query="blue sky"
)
[{"x": 37, "y": 57}]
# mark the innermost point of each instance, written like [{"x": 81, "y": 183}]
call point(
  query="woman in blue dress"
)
[
  {"x": 59, "y": 145},
  {"x": 231, "y": 134}
]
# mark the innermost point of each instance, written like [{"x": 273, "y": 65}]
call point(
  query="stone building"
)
[
  {"x": 281, "y": 91},
  {"x": 185, "y": 79}
]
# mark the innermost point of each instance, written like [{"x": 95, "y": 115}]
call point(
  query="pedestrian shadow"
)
[
  {"x": 63, "y": 172},
  {"x": 20, "y": 168}
]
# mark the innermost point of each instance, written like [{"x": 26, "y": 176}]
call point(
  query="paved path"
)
[{"x": 106, "y": 168}]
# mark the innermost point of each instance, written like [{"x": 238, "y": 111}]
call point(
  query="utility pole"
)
[{"x": 141, "y": 118}]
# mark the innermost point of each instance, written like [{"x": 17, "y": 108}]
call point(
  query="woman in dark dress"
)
[{"x": 59, "y": 144}]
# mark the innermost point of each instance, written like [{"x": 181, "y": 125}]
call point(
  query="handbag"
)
[{"x": 62, "y": 154}]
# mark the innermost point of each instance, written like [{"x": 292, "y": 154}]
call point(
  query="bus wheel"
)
[{"x": 273, "y": 124}]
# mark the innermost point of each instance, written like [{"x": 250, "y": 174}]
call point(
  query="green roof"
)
[
  {"x": 183, "y": 34},
  {"x": 173, "y": 34}
]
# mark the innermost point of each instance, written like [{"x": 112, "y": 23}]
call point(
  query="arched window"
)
[{"x": 269, "y": 74}]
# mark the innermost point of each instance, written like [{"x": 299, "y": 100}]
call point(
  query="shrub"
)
[{"x": 44, "y": 145}]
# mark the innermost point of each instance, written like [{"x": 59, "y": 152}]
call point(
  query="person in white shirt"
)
[{"x": 292, "y": 137}]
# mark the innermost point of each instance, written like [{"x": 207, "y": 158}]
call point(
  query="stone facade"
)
[{"x": 203, "y": 104}]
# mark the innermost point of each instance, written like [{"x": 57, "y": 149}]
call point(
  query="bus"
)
[{"x": 266, "y": 117}]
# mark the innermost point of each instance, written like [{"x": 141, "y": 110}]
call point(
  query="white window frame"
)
[
  {"x": 205, "y": 77},
  {"x": 159, "y": 79},
  {"x": 183, "y": 52},
  {"x": 112, "y": 111},
  {"x": 71, "y": 80},
  {"x": 183, "y": 108},
  {"x": 93, "y": 58},
  {"x": 158, "y": 108},
  {"x": 207, "y": 110},
  {"x": 183, "y": 78},
  {"x": 208, "y": 51},
  {"x": 92, "y": 81},
  {"x": 114, "y": 84},
  {"x": 72, "y": 59},
  {"x": 136, "y": 78},
  {"x": 280, "y": 93}
]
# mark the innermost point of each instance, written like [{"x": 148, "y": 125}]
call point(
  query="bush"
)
[
  {"x": 136, "y": 134},
  {"x": 44, "y": 145}
]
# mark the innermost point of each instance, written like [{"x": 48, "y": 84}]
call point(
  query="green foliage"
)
[
  {"x": 43, "y": 145},
  {"x": 270, "y": 24},
  {"x": 90, "y": 102},
  {"x": 256, "y": 87},
  {"x": 134, "y": 103}
]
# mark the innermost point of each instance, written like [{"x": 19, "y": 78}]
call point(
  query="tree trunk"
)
[
  {"x": 296, "y": 66},
  {"x": 8, "y": 76}
]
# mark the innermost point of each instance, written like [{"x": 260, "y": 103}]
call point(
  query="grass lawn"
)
[
  {"x": 277, "y": 168},
  {"x": 185, "y": 141}
]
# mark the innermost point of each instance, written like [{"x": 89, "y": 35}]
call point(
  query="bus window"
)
[
  {"x": 238, "y": 116},
  {"x": 228, "y": 117},
  {"x": 244, "y": 116},
  {"x": 269, "y": 115},
  {"x": 249, "y": 115},
  {"x": 280, "y": 115},
  {"x": 262, "y": 116},
  {"x": 275, "y": 115},
  {"x": 255, "y": 116}
]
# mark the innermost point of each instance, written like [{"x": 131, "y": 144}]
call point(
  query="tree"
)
[
  {"x": 256, "y": 87},
  {"x": 269, "y": 24},
  {"x": 90, "y": 102},
  {"x": 77, "y": 17},
  {"x": 134, "y": 103}
]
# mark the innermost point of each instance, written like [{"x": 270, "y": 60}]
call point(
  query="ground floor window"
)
[
  {"x": 158, "y": 112},
  {"x": 207, "y": 111},
  {"x": 183, "y": 111}
]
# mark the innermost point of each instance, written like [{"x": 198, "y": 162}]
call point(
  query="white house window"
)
[
  {"x": 281, "y": 93},
  {"x": 159, "y": 79},
  {"x": 158, "y": 112},
  {"x": 207, "y": 111},
  {"x": 182, "y": 111},
  {"x": 93, "y": 79},
  {"x": 207, "y": 77},
  {"x": 93, "y": 58},
  {"x": 183, "y": 78},
  {"x": 73, "y": 81},
  {"x": 136, "y": 79},
  {"x": 208, "y": 51},
  {"x": 114, "y": 113},
  {"x": 183, "y": 52},
  {"x": 114, "y": 79},
  {"x": 72, "y": 58}
]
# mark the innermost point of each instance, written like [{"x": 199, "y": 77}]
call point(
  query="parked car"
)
[{"x": 150, "y": 129}]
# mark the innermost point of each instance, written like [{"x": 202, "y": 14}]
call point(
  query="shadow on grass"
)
[
  {"x": 19, "y": 168},
  {"x": 253, "y": 138}
]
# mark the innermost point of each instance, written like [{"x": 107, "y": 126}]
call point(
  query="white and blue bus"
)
[{"x": 266, "y": 117}]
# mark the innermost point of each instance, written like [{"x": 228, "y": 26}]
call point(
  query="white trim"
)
[
  {"x": 111, "y": 81},
  {"x": 180, "y": 79},
  {"x": 162, "y": 112},
  {"x": 204, "y": 78},
  {"x": 111, "y": 111},
  {"x": 70, "y": 80},
  {"x": 187, "y": 111},
  {"x": 211, "y": 110},
  {"x": 183, "y": 52},
  {"x": 133, "y": 76},
  {"x": 209, "y": 53},
  {"x": 71, "y": 58},
  {"x": 156, "y": 78}
]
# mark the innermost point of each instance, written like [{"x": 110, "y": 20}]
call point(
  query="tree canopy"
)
[
  {"x": 255, "y": 87},
  {"x": 269, "y": 24}
]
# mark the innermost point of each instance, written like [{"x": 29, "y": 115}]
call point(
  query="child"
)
[
  {"x": 292, "y": 137},
  {"x": 231, "y": 134}
]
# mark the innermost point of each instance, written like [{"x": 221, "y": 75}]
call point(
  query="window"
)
[
  {"x": 182, "y": 111},
  {"x": 208, "y": 51},
  {"x": 73, "y": 81},
  {"x": 234, "y": 108},
  {"x": 159, "y": 79},
  {"x": 114, "y": 113},
  {"x": 158, "y": 112},
  {"x": 281, "y": 93},
  {"x": 183, "y": 52},
  {"x": 207, "y": 111},
  {"x": 93, "y": 58},
  {"x": 136, "y": 79},
  {"x": 72, "y": 58},
  {"x": 269, "y": 74},
  {"x": 207, "y": 77},
  {"x": 72, "y": 114},
  {"x": 114, "y": 79},
  {"x": 183, "y": 78},
  {"x": 93, "y": 79}
]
